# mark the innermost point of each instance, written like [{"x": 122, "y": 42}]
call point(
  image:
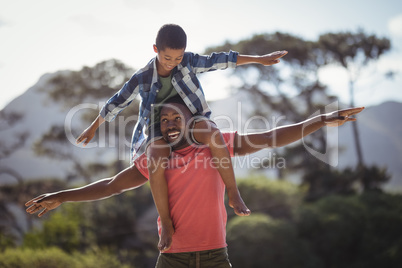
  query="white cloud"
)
[{"x": 395, "y": 26}]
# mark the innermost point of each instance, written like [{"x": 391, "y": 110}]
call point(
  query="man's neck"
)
[{"x": 182, "y": 146}]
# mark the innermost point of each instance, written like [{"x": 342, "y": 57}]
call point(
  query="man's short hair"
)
[
  {"x": 171, "y": 36},
  {"x": 175, "y": 99}
]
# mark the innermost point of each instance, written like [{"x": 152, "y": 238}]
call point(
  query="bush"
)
[
  {"x": 279, "y": 199},
  {"x": 261, "y": 241},
  {"x": 54, "y": 257},
  {"x": 62, "y": 229},
  {"x": 334, "y": 226},
  {"x": 356, "y": 231},
  {"x": 382, "y": 239}
]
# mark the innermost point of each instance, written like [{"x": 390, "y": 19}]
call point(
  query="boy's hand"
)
[
  {"x": 89, "y": 133},
  {"x": 45, "y": 202},
  {"x": 338, "y": 118},
  {"x": 272, "y": 58},
  {"x": 86, "y": 136}
]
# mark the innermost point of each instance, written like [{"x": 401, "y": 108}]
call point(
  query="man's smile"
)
[{"x": 173, "y": 135}]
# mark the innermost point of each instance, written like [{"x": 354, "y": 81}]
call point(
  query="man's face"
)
[
  {"x": 168, "y": 59},
  {"x": 174, "y": 124}
]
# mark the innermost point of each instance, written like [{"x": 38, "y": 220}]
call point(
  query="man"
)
[{"x": 196, "y": 192}]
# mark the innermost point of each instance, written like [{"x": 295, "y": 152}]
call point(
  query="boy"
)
[{"x": 173, "y": 72}]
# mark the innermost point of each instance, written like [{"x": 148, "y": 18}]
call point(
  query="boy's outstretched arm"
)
[
  {"x": 281, "y": 136},
  {"x": 129, "y": 178},
  {"x": 87, "y": 135},
  {"x": 268, "y": 59}
]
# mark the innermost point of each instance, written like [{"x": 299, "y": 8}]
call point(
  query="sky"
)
[{"x": 45, "y": 36}]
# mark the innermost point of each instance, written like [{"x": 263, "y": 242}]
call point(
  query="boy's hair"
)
[{"x": 171, "y": 36}]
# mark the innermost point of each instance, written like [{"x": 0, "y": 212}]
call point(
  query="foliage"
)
[
  {"x": 63, "y": 229},
  {"x": 7, "y": 239},
  {"x": 354, "y": 52},
  {"x": 279, "y": 199},
  {"x": 54, "y": 257},
  {"x": 334, "y": 231},
  {"x": 18, "y": 194},
  {"x": 333, "y": 227},
  {"x": 293, "y": 89},
  {"x": 258, "y": 240},
  {"x": 8, "y": 120},
  {"x": 382, "y": 240},
  {"x": 348, "y": 49},
  {"x": 323, "y": 181},
  {"x": 109, "y": 224},
  {"x": 355, "y": 231},
  {"x": 98, "y": 82},
  {"x": 290, "y": 89}
]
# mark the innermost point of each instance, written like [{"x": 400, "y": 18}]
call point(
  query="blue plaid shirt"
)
[{"x": 184, "y": 80}]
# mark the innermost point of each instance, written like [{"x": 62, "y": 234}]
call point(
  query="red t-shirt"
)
[{"x": 196, "y": 198}]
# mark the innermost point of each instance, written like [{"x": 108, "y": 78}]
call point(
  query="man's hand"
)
[
  {"x": 338, "y": 118},
  {"x": 42, "y": 203},
  {"x": 272, "y": 58}
]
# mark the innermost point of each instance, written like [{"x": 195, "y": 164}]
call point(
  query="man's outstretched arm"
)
[
  {"x": 129, "y": 178},
  {"x": 281, "y": 136}
]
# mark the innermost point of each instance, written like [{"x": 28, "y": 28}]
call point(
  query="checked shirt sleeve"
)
[
  {"x": 119, "y": 101},
  {"x": 215, "y": 61}
]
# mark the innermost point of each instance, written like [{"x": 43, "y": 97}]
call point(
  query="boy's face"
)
[{"x": 168, "y": 59}]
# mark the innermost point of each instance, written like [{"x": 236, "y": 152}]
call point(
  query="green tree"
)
[
  {"x": 322, "y": 182},
  {"x": 99, "y": 82},
  {"x": 64, "y": 229},
  {"x": 112, "y": 226},
  {"x": 55, "y": 257},
  {"x": 9, "y": 227},
  {"x": 293, "y": 89},
  {"x": 333, "y": 225},
  {"x": 382, "y": 239},
  {"x": 261, "y": 241},
  {"x": 354, "y": 52},
  {"x": 355, "y": 231},
  {"x": 278, "y": 199}
]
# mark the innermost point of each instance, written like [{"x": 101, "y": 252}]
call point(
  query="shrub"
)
[
  {"x": 261, "y": 241},
  {"x": 56, "y": 258},
  {"x": 279, "y": 199}
]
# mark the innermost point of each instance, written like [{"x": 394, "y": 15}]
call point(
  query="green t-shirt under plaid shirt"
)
[{"x": 166, "y": 92}]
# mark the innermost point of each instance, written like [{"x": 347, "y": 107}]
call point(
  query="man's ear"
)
[{"x": 155, "y": 49}]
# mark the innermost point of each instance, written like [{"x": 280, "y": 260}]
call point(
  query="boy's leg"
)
[
  {"x": 157, "y": 154},
  {"x": 206, "y": 132}
]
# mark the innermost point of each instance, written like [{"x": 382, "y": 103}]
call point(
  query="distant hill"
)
[
  {"x": 380, "y": 133},
  {"x": 381, "y": 136},
  {"x": 380, "y": 129},
  {"x": 39, "y": 115}
]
